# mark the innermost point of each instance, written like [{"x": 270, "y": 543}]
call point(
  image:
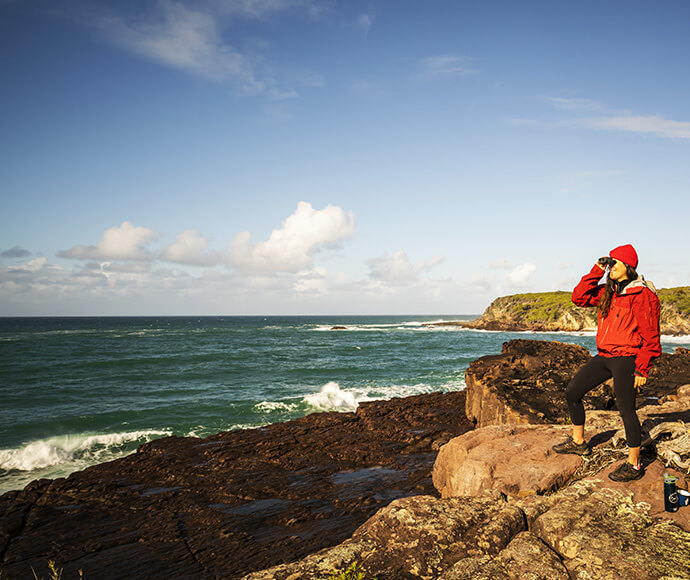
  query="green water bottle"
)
[{"x": 670, "y": 494}]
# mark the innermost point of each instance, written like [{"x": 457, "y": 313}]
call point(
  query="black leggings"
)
[{"x": 595, "y": 372}]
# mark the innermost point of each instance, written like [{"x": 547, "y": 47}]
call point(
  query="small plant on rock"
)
[
  {"x": 354, "y": 572},
  {"x": 54, "y": 573}
]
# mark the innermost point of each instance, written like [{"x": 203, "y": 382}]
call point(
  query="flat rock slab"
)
[
  {"x": 649, "y": 490},
  {"x": 514, "y": 459},
  {"x": 231, "y": 503}
]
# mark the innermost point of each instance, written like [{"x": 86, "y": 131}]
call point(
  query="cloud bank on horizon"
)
[
  {"x": 124, "y": 263},
  {"x": 317, "y": 156}
]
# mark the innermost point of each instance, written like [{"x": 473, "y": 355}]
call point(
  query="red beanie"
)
[{"x": 625, "y": 254}]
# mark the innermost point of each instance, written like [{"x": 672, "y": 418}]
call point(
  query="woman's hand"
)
[{"x": 639, "y": 381}]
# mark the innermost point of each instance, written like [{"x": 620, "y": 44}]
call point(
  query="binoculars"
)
[{"x": 606, "y": 261}]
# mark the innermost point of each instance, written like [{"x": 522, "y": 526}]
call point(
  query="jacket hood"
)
[{"x": 638, "y": 285}]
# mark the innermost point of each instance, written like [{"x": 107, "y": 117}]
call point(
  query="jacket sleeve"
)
[
  {"x": 646, "y": 311},
  {"x": 588, "y": 291}
]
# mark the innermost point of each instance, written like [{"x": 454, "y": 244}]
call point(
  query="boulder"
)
[
  {"x": 514, "y": 459},
  {"x": 584, "y": 531},
  {"x": 518, "y": 460},
  {"x": 525, "y": 383}
]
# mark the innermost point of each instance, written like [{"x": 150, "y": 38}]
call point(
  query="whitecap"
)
[
  {"x": 682, "y": 339},
  {"x": 79, "y": 449},
  {"x": 272, "y": 406}
]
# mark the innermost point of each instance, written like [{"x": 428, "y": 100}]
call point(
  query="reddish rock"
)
[
  {"x": 238, "y": 501},
  {"x": 525, "y": 557},
  {"x": 514, "y": 459}
]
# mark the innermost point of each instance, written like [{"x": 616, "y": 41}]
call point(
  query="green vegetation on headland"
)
[{"x": 554, "y": 311}]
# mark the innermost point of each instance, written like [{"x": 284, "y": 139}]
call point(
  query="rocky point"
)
[{"x": 316, "y": 496}]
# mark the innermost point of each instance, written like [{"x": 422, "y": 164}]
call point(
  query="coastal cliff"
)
[{"x": 554, "y": 311}]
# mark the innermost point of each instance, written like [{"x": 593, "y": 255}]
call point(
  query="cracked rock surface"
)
[{"x": 231, "y": 503}]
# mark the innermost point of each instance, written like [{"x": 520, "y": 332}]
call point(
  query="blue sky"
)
[{"x": 308, "y": 157}]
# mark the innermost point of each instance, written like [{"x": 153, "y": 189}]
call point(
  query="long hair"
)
[{"x": 610, "y": 288}]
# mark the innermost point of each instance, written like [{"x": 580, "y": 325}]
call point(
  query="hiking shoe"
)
[
  {"x": 626, "y": 472},
  {"x": 569, "y": 446}
]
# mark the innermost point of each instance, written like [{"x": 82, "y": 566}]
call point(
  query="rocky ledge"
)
[
  {"x": 225, "y": 505},
  {"x": 525, "y": 383},
  {"x": 307, "y": 498}
]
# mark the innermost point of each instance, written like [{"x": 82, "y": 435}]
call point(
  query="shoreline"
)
[{"x": 495, "y": 326}]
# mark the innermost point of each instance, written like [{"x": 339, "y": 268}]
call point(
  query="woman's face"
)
[{"x": 618, "y": 272}]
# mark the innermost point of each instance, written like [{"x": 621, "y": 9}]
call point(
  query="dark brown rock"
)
[
  {"x": 238, "y": 501},
  {"x": 527, "y": 381},
  {"x": 668, "y": 372}
]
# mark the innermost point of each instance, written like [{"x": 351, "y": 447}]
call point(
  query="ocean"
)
[{"x": 79, "y": 391}]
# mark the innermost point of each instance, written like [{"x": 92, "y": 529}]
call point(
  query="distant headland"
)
[{"x": 554, "y": 311}]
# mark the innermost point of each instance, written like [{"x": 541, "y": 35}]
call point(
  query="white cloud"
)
[
  {"x": 107, "y": 268},
  {"x": 315, "y": 282},
  {"x": 446, "y": 65},
  {"x": 583, "y": 181},
  {"x": 292, "y": 247},
  {"x": 519, "y": 277},
  {"x": 189, "y": 248},
  {"x": 118, "y": 243},
  {"x": 573, "y": 104},
  {"x": 261, "y": 9},
  {"x": 35, "y": 265},
  {"x": 397, "y": 269},
  {"x": 375, "y": 89},
  {"x": 618, "y": 119},
  {"x": 184, "y": 38},
  {"x": 364, "y": 23},
  {"x": 501, "y": 264},
  {"x": 192, "y": 37},
  {"x": 564, "y": 265},
  {"x": 646, "y": 124}
]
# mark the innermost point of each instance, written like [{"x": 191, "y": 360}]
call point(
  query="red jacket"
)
[{"x": 632, "y": 325}]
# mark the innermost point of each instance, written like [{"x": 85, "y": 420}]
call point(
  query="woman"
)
[{"x": 627, "y": 341}]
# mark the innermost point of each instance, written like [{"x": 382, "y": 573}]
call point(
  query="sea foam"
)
[
  {"x": 332, "y": 398},
  {"x": 79, "y": 449},
  {"x": 273, "y": 406}
]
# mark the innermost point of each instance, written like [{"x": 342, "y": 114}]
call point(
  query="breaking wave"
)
[
  {"x": 332, "y": 398},
  {"x": 79, "y": 450}
]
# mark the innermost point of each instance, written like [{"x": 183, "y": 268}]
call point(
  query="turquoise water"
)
[{"x": 78, "y": 391}]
